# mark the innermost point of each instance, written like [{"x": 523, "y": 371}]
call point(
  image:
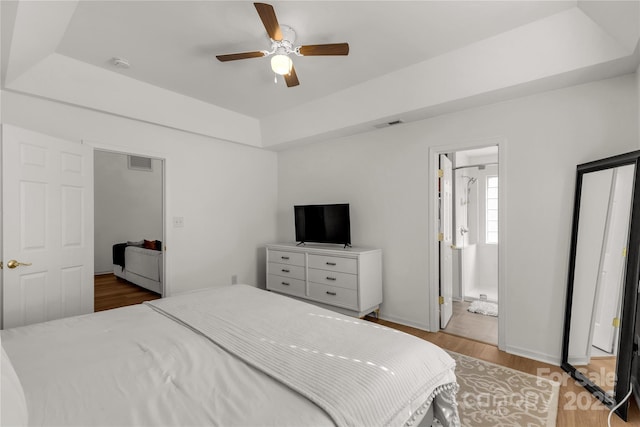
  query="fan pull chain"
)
[{"x": 275, "y": 78}]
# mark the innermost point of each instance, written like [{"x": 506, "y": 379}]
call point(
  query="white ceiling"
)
[
  {"x": 172, "y": 44},
  {"x": 407, "y": 60}
]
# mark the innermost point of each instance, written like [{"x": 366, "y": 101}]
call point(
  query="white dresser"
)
[{"x": 346, "y": 280}]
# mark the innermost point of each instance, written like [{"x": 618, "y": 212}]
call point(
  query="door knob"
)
[{"x": 12, "y": 263}]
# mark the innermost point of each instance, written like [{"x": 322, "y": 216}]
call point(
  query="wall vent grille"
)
[
  {"x": 387, "y": 124},
  {"x": 140, "y": 163}
]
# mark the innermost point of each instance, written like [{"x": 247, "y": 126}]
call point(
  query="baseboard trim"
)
[
  {"x": 534, "y": 355},
  {"x": 405, "y": 322},
  {"x": 517, "y": 351}
]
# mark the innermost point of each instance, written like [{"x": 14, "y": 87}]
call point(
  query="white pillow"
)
[{"x": 13, "y": 405}]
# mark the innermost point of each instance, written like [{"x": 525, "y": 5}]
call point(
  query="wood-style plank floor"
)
[
  {"x": 110, "y": 291},
  {"x": 576, "y": 407}
]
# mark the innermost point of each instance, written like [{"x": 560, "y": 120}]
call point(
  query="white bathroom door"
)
[
  {"x": 47, "y": 223},
  {"x": 609, "y": 293},
  {"x": 446, "y": 241}
]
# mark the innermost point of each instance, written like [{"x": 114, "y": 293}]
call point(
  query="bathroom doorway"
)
[{"x": 475, "y": 225}]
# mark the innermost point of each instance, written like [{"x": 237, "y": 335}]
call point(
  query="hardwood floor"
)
[
  {"x": 576, "y": 407},
  {"x": 110, "y": 291}
]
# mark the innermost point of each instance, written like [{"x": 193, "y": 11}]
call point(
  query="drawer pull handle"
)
[
  {"x": 331, "y": 263},
  {"x": 331, "y": 278},
  {"x": 284, "y": 270},
  {"x": 284, "y": 257},
  {"x": 331, "y": 293},
  {"x": 285, "y": 283}
]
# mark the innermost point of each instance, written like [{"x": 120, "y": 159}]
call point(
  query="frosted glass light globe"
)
[{"x": 281, "y": 64}]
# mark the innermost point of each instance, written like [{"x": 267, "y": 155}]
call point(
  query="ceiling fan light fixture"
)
[
  {"x": 282, "y": 46},
  {"x": 281, "y": 64}
]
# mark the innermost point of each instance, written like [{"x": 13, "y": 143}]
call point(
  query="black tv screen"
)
[{"x": 323, "y": 224}]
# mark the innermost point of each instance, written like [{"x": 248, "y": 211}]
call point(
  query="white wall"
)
[
  {"x": 383, "y": 175},
  {"x": 1, "y": 210},
  {"x": 128, "y": 205},
  {"x": 226, "y": 192}
]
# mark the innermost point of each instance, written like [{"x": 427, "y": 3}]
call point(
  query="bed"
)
[
  {"x": 231, "y": 356},
  {"x": 139, "y": 265}
]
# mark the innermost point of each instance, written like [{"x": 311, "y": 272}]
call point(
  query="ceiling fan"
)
[{"x": 282, "y": 39}]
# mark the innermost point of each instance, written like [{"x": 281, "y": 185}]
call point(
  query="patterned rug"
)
[{"x": 494, "y": 396}]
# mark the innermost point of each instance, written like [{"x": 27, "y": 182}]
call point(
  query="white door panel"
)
[
  {"x": 446, "y": 230},
  {"x": 47, "y": 195},
  {"x": 609, "y": 289}
]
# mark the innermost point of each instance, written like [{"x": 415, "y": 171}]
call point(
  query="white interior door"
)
[
  {"x": 593, "y": 211},
  {"x": 47, "y": 195},
  {"x": 609, "y": 293},
  {"x": 446, "y": 241}
]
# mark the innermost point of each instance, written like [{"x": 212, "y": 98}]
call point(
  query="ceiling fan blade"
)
[
  {"x": 324, "y": 49},
  {"x": 236, "y": 56},
  {"x": 269, "y": 20},
  {"x": 291, "y": 78}
]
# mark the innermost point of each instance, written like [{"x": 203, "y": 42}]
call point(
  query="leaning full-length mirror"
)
[{"x": 603, "y": 273}]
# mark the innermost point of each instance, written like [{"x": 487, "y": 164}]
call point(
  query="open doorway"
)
[
  {"x": 129, "y": 229},
  {"x": 469, "y": 282}
]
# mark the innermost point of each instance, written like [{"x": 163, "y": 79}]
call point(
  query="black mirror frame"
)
[{"x": 626, "y": 346}]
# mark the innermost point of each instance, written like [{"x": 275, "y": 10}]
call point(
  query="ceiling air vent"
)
[
  {"x": 140, "y": 163},
  {"x": 387, "y": 124}
]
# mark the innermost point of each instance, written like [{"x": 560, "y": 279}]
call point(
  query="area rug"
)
[
  {"x": 484, "y": 307},
  {"x": 494, "y": 396}
]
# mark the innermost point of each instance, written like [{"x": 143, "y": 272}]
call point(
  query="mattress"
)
[
  {"x": 144, "y": 262},
  {"x": 143, "y": 267},
  {"x": 143, "y": 365}
]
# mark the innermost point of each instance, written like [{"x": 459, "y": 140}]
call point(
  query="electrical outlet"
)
[{"x": 178, "y": 221}]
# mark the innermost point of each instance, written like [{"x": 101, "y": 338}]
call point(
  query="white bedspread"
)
[
  {"x": 134, "y": 367},
  {"x": 363, "y": 373}
]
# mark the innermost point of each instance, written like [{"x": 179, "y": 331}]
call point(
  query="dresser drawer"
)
[
  {"x": 286, "y": 270},
  {"x": 286, "y": 285},
  {"x": 333, "y": 295},
  {"x": 333, "y": 278},
  {"x": 332, "y": 263},
  {"x": 283, "y": 257}
]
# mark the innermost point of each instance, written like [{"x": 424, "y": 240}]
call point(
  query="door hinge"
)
[
  {"x": 616, "y": 322},
  {"x": 440, "y": 173},
  {"x": 624, "y": 252},
  {"x": 441, "y": 300},
  {"x": 440, "y": 237}
]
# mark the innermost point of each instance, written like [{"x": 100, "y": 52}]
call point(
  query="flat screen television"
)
[{"x": 323, "y": 224}]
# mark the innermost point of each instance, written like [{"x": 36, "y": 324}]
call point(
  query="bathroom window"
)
[{"x": 492, "y": 210}]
